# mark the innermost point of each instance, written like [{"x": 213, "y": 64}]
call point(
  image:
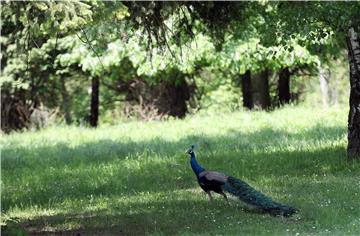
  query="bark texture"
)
[
  {"x": 284, "y": 86},
  {"x": 15, "y": 113},
  {"x": 94, "y": 106},
  {"x": 353, "y": 149},
  {"x": 260, "y": 90},
  {"x": 246, "y": 90}
]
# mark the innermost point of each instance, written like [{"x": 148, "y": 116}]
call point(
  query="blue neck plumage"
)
[{"x": 195, "y": 165}]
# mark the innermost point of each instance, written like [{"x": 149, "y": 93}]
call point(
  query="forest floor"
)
[{"x": 134, "y": 178}]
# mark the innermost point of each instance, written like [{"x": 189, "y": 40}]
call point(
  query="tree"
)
[
  {"x": 94, "y": 106},
  {"x": 284, "y": 86},
  {"x": 66, "y": 100},
  {"x": 246, "y": 89},
  {"x": 353, "y": 41},
  {"x": 260, "y": 90}
]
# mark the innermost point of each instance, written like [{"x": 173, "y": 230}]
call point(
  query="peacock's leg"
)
[
  {"x": 210, "y": 197},
  {"x": 227, "y": 200}
]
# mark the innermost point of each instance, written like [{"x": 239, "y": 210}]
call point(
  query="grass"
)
[{"x": 135, "y": 179}]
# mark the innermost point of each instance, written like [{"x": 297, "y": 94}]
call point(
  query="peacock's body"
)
[{"x": 220, "y": 183}]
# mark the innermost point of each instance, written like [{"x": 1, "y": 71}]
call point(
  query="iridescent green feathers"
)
[{"x": 249, "y": 195}]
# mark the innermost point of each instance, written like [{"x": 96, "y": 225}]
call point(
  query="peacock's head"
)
[{"x": 190, "y": 150}]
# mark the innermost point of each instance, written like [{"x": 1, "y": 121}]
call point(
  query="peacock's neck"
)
[{"x": 195, "y": 165}]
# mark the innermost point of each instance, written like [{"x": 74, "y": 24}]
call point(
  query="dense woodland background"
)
[{"x": 101, "y": 62}]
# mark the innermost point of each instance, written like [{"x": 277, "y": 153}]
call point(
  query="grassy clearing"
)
[{"x": 134, "y": 178}]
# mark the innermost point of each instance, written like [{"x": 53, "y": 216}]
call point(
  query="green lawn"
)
[{"x": 135, "y": 179}]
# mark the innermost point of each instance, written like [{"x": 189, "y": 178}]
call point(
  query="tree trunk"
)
[
  {"x": 246, "y": 90},
  {"x": 353, "y": 149},
  {"x": 94, "y": 106},
  {"x": 334, "y": 91},
  {"x": 66, "y": 100},
  {"x": 324, "y": 87},
  {"x": 260, "y": 90},
  {"x": 284, "y": 86},
  {"x": 152, "y": 102}
]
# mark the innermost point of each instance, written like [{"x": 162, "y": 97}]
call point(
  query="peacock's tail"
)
[{"x": 250, "y": 196}]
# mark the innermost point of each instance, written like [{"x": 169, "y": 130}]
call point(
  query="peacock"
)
[{"x": 221, "y": 183}]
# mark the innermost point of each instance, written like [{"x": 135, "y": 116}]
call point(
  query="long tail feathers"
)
[{"x": 250, "y": 196}]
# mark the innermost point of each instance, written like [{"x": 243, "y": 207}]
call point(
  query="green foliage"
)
[
  {"x": 178, "y": 21},
  {"x": 187, "y": 58},
  {"x": 252, "y": 46},
  {"x": 215, "y": 92},
  {"x": 315, "y": 24},
  {"x": 240, "y": 56},
  {"x": 134, "y": 178}
]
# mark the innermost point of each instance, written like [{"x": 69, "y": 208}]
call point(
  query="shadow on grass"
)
[
  {"x": 145, "y": 218},
  {"x": 47, "y": 176}
]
